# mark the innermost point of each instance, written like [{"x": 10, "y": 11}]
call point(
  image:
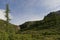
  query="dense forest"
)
[{"x": 46, "y": 29}]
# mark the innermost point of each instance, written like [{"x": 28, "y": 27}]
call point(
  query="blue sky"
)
[{"x": 28, "y": 10}]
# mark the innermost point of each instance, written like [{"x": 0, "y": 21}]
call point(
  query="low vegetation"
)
[{"x": 46, "y": 29}]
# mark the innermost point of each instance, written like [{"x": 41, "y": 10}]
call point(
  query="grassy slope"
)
[
  {"x": 10, "y": 27},
  {"x": 7, "y": 33},
  {"x": 46, "y": 29}
]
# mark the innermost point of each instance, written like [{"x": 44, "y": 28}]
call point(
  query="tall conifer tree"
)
[{"x": 7, "y": 14}]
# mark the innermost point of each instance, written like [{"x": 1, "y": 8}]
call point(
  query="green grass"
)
[{"x": 46, "y": 29}]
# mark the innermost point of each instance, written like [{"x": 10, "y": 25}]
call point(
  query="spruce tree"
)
[{"x": 7, "y": 14}]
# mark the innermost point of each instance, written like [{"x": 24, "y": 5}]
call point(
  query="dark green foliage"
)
[
  {"x": 46, "y": 29},
  {"x": 7, "y": 14},
  {"x": 50, "y": 21},
  {"x": 6, "y": 32}
]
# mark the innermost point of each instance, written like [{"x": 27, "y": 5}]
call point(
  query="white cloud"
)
[
  {"x": 51, "y": 3},
  {"x": 45, "y": 5},
  {"x": 2, "y": 15},
  {"x": 48, "y": 5}
]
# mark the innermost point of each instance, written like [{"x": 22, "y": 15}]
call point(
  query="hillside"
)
[
  {"x": 6, "y": 32},
  {"x": 10, "y": 27},
  {"x": 52, "y": 20},
  {"x": 48, "y": 28}
]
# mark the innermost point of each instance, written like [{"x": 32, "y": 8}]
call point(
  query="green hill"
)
[
  {"x": 10, "y": 28},
  {"x": 46, "y": 29},
  {"x": 7, "y": 32},
  {"x": 52, "y": 20}
]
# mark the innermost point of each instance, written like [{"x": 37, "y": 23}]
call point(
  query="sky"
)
[{"x": 28, "y": 10}]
